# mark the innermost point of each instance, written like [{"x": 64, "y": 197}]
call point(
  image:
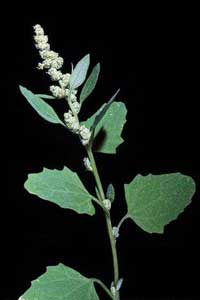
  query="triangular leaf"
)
[
  {"x": 102, "y": 111},
  {"x": 61, "y": 187},
  {"x": 79, "y": 73},
  {"x": 63, "y": 283},
  {"x": 45, "y": 96},
  {"x": 111, "y": 126},
  {"x": 155, "y": 200},
  {"x": 42, "y": 108},
  {"x": 90, "y": 83}
]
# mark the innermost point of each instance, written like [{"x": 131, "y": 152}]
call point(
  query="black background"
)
[{"x": 154, "y": 67}]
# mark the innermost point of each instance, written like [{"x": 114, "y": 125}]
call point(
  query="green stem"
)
[
  {"x": 106, "y": 212},
  {"x": 108, "y": 220},
  {"x": 122, "y": 221},
  {"x": 114, "y": 250},
  {"x": 95, "y": 173},
  {"x": 99, "y": 203},
  {"x": 104, "y": 287}
]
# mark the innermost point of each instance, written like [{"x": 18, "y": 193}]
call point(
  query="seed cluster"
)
[{"x": 52, "y": 63}]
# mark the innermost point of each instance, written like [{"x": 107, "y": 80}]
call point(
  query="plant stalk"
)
[
  {"x": 108, "y": 221},
  {"x": 106, "y": 213},
  {"x": 96, "y": 173}
]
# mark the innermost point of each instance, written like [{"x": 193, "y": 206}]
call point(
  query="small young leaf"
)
[
  {"x": 110, "y": 194},
  {"x": 90, "y": 83},
  {"x": 155, "y": 200},
  {"x": 79, "y": 73},
  {"x": 45, "y": 96},
  {"x": 111, "y": 125},
  {"x": 42, "y": 108},
  {"x": 63, "y": 283},
  {"x": 61, "y": 187}
]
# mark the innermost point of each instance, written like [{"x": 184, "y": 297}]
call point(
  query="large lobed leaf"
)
[
  {"x": 155, "y": 200},
  {"x": 110, "y": 124},
  {"x": 61, "y": 283},
  {"x": 61, "y": 187},
  {"x": 41, "y": 107}
]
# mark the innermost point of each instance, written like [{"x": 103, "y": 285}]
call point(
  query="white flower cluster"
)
[
  {"x": 85, "y": 135},
  {"x": 115, "y": 231},
  {"x": 57, "y": 92},
  {"x": 87, "y": 164},
  {"x": 50, "y": 58},
  {"x": 74, "y": 126},
  {"x": 107, "y": 204},
  {"x": 75, "y": 104},
  {"x": 71, "y": 122},
  {"x": 52, "y": 63}
]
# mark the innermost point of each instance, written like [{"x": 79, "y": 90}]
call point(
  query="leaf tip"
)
[
  {"x": 87, "y": 56},
  {"x": 21, "y": 88}
]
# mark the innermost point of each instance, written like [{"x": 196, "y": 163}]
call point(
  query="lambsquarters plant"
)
[{"x": 152, "y": 201}]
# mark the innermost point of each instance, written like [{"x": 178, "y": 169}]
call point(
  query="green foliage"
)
[
  {"x": 110, "y": 194},
  {"x": 110, "y": 126},
  {"x": 102, "y": 111},
  {"x": 63, "y": 283},
  {"x": 42, "y": 108},
  {"x": 79, "y": 73},
  {"x": 44, "y": 96},
  {"x": 90, "y": 83},
  {"x": 61, "y": 187},
  {"x": 155, "y": 200}
]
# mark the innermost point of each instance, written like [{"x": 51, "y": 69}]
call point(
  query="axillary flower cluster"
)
[{"x": 52, "y": 63}]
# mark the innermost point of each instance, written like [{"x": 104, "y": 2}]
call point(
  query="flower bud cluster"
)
[
  {"x": 107, "y": 204},
  {"x": 73, "y": 125},
  {"x": 50, "y": 58},
  {"x": 71, "y": 122},
  {"x": 115, "y": 231},
  {"x": 85, "y": 135},
  {"x": 87, "y": 164},
  {"x": 52, "y": 63},
  {"x": 73, "y": 99}
]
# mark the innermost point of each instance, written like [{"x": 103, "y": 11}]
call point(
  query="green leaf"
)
[
  {"x": 155, "y": 200},
  {"x": 42, "y": 108},
  {"x": 79, "y": 73},
  {"x": 110, "y": 194},
  {"x": 61, "y": 187},
  {"x": 102, "y": 111},
  {"x": 45, "y": 96},
  {"x": 63, "y": 283},
  {"x": 90, "y": 83},
  {"x": 110, "y": 125}
]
